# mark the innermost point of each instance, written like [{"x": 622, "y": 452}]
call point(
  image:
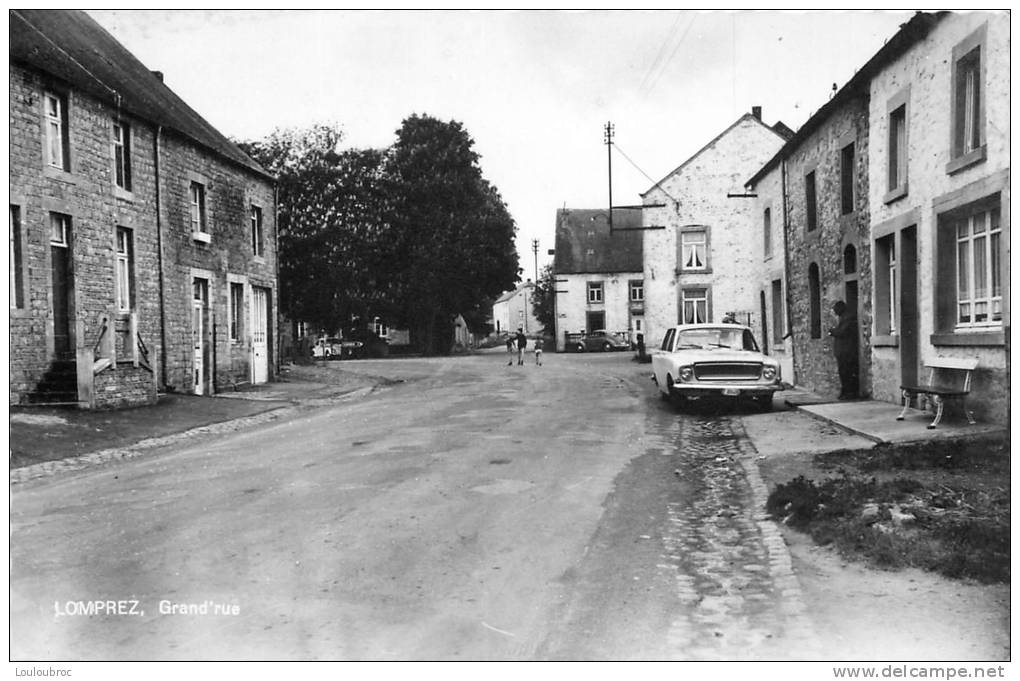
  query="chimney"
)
[
  {"x": 756, "y": 112},
  {"x": 158, "y": 74}
]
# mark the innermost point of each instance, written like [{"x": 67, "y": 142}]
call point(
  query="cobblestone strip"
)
[
  {"x": 732, "y": 569},
  {"x": 75, "y": 463}
]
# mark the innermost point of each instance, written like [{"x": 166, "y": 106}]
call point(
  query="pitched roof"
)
[
  {"x": 584, "y": 244},
  {"x": 779, "y": 129},
  {"x": 913, "y": 31},
  {"x": 510, "y": 294},
  {"x": 71, "y": 46}
]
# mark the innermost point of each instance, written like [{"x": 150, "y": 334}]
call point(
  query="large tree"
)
[
  {"x": 332, "y": 230},
  {"x": 452, "y": 234}
]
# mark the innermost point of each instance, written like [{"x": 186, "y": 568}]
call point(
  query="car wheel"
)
[
  {"x": 678, "y": 401},
  {"x": 606, "y": 347},
  {"x": 765, "y": 402},
  {"x": 580, "y": 347}
]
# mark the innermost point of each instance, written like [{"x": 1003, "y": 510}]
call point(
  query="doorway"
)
[
  {"x": 596, "y": 321},
  {"x": 259, "y": 335},
  {"x": 909, "y": 347},
  {"x": 63, "y": 285},
  {"x": 764, "y": 325},
  {"x": 199, "y": 310}
]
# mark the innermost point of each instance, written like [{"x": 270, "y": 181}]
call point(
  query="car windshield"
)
[{"x": 732, "y": 339}]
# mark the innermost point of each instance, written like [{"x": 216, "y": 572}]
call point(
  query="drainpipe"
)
[
  {"x": 786, "y": 267},
  {"x": 159, "y": 258},
  {"x": 276, "y": 268}
]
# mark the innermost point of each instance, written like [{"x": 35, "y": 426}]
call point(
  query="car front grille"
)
[{"x": 727, "y": 371}]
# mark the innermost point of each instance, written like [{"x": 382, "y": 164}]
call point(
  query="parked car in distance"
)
[
  {"x": 336, "y": 348},
  {"x": 597, "y": 341},
  {"x": 697, "y": 361}
]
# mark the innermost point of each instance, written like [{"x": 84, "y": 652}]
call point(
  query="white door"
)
[
  {"x": 259, "y": 336},
  {"x": 199, "y": 301}
]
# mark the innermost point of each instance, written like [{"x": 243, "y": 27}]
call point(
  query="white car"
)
[{"x": 708, "y": 360}]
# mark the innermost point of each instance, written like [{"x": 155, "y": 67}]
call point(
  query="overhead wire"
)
[
  {"x": 672, "y": 54},
  {"x": 662, "y": 51}
]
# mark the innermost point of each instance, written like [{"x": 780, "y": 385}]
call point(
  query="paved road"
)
[{"x": 473, "y": 511}]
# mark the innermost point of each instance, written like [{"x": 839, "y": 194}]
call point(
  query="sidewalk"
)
[
  {"x": 876, "y": 420},
  {"x": 44, "y": 440}
]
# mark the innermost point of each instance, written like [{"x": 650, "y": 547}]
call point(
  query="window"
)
[
  {"x": 767, "y": 230},
  {"x": 198, "y": 219},
  {"x": 810, "y": 206},
  {"x": 694, "y": 305},
  {"x": 967, "y": 112},
  {"x": 122, "y": 155},
  {"x": 979, "y": 269},
  {"x": 236, "y": 311},
  {"x": 125, "y": 269},
  {"x": 846, "y": 179},
  {"x": 17, "y": 290},
  {"x": 594, "y": 291},
  {"x": 694, "y": 250},
  {"x": 637, "y": 291},
  {"x": 57, "y": 146},
  {"x": 886, "y": 286},
  {"x": 381, "y": 329},
  {"x": 777, "y": 312},
  {"x": 667, "y": 340},
  {"x": 257, "y": 247},
  {"x": 60, "y": 229},
  {"x": 898, "y": 149},
  {"x": 815, "y": 301}
]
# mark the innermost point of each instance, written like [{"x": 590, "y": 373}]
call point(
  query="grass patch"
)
[{"x": 941, "y": 506}]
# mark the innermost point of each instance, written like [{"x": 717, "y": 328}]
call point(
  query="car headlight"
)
[
  {"x": 769, "y": 372},
  {"x": 686, "y": 373}
]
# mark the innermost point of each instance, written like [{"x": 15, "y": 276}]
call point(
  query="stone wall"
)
[
  {"x": 826, "y": 245},
  {"x": 97, "y": 207}
]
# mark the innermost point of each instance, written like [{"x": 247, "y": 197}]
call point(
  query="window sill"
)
[
  {"x": 259, "y": 259},
  {"x": 123, "y": 194},
  {"x": 59, "y": 175},
  {"x": 680, "y": 271},
  {"x": 967, "y": 160},
  {"x": 885, "y": 341},
  {"x": 19, "y": 313},
  {"x": 895, "y": 194},
  {"x": 202, "y": 237},
  {"x": 987, "y": 338}
]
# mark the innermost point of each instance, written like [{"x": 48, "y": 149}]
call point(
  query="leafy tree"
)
[
  {"x": 543, "y": 300},
  {"x": 331, "y": 222},
  {"x": 452, "y": 234}
]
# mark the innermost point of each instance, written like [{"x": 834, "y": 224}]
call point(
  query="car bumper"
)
[{"x": 724, "y": 390}]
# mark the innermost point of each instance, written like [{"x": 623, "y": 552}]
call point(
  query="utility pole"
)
[
  {"x": 609, "y": 150},
  {"x": 534, "y": 247}
]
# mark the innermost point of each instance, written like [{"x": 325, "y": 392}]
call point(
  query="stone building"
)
[
  {"x": 598, "y": 273},
  {"x": 702, "y": 237},
  {"x": 939, "y": 192},
  {"x": 142, "y": 241},
  {"x": 821, "y": 190}
]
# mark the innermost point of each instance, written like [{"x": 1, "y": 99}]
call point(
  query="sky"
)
[{"x": 534, "y": 89}]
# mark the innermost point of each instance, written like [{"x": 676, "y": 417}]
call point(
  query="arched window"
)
[
  {"x": 849, "y": 259},
  {"x": 815, "y": 298}
]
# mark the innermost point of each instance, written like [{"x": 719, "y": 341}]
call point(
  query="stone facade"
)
[
  {"x": 833, "y": 257},
  {"x": 705, "y": 203},
  {"x": 140, "y": 332},
  {"x": 917, "y": 220}
]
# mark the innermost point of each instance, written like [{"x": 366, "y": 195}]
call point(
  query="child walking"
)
[{"x": 538, "y": 351}]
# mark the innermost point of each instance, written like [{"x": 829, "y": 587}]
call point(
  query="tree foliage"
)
[
  {"x": 413, "y": 233},
  {"x": 544, "y": 300}
]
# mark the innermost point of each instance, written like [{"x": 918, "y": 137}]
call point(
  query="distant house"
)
[
  {"x": 514, "y": 310},
  {"x": 142, "y": 241},
  {"x": 599, "y": 276},
  {"x": 703, "y": 246}
]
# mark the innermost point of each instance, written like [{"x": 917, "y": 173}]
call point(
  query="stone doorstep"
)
[{"x": 876, "y": 421}]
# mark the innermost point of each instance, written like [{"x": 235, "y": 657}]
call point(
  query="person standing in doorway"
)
[
  {"x": 510, "y": 350},
  {"x": 522, "y": 342},
  {"x": 844, "y": 346},
  {"x": 538, "y": 351}
]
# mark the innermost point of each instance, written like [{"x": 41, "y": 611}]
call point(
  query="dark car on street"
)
[{"x": 597, "y": 341}]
